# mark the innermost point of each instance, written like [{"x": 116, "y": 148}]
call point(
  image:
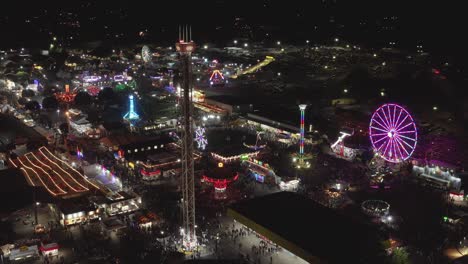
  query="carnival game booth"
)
[
  {"x": 162, "y": 164},
  {"x": 147, "y": 219},
  {"x": 49, "y": 249},
  {"x": 260, "y": 171},
  {"x": 283, "y": 174},
  {"x": 220, "y": 176},
  {"x": 439, "y": 173},
  {"x": 75, "y": 211},
  {"x": 116, "y": 203},
  {"x": 24, "y": 254}
]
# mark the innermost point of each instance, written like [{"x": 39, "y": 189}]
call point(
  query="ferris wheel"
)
[
  {"x": 393, "y": 133},
  {"x": 200, "y": 137},
  {"x": 146, "y": 54}
]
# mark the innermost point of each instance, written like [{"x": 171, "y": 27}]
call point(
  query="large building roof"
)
[{"x": 307, "y": 229}]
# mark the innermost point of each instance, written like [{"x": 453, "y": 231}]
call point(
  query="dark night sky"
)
[{"x": 438, "y": 24}]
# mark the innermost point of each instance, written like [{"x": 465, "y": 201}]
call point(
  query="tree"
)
[
  {"x": 107, "y": 94},
  {"x": 27, "y": 93},
  {"x": 400, "y": 256},
  {"x": 64, "y": 128},
  {"x": 22, "y": 101},
  {"x": 50, "y": 103},
  {"x": 82, "y": 99},
  {"x": 49, "y": 91},
  {"x": 32, "y": 106}
]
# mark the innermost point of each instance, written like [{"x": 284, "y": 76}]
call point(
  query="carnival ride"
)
[
  {"x": 42, "y": 168},
  {"x": 200, "y": 137},
  {"x": 67, "y": 96},
  {"x": 146, "y": 54},
  {"x": 375, "y": 208},
  {"x": 220, "y": 177},
  {"x": 131, "y": 115},
  {"x": 393, "y": 133},
  {"x": 217, "y": 78},
  {"x": 256, "y": 67},
  {"x": 340, "y": 149},
  {"x": 257, "y": 141}
]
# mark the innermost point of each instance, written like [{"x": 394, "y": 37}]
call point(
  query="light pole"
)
[
  {"x": 35, "y": 207},
  {"x": 164, "y": 240},
  {"x": 302, "y": 108}
]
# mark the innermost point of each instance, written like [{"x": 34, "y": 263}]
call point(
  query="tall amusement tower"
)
[
  {"x": 185, "y": 46},
  {"x": 302, "y": 107}
]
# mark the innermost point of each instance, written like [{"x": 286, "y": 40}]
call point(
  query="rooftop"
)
[
  {"x": 308, "y": 229},
  {"x": 75, "y": 205}
]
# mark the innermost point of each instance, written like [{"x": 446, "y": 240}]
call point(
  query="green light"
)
[
  {"x": 446, "y": 218},
  {"x": 120, "y": 87}
]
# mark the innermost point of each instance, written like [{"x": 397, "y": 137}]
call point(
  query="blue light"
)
[{"x": 131, "y": 114}]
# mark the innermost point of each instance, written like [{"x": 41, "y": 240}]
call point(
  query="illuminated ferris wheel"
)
[
  {"x": 393, "y": 133},
  {"x": 146, "y": 54},
  {"x": 200, "y": 137}
]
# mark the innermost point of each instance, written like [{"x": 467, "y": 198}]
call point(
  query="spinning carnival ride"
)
[
  {"x": 146, "y": 54},
  {"x": 393, "y": 133},
  {"x": 200, "y": 137}
]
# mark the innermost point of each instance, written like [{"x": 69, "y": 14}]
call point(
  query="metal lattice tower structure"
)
[
  {"x": 302, "y": 107},
  {"x": 185, "y": 46}
]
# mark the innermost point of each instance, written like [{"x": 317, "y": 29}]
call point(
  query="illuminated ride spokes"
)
[
  {"x": 146, "y": 54},
  {"x": 217, "y": 78},
  {"x": 200, "y": 137},
  {"x": 393, "y": 133}
]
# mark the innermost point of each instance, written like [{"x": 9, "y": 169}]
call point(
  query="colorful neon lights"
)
[
  {"x": 63, "y": 171},
  {"x": 41, "y": 149},
  {"x": 216, "y": 75},
  {"x": 393, "y": 133},
  {"x": 53, "y": 171},
  {"x": 67, "y": 96},
  {"x": 220, "y": 184},
  {"x": 200, "y": 137},
  {"x": 234, "y": 158}
]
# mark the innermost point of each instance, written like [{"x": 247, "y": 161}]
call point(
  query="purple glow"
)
[
  {"x": 119, "y": 78},
  {"x": 91, "y": 78},
  {"x": 393, "y": 133}
]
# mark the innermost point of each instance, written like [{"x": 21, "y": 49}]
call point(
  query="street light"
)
[
  {"x": 235, "y": 41},
  {"x": 278, "y": 43},
  {"x": 246, "y": 45}
]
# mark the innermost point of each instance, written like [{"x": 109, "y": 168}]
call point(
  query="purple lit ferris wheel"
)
[{"x": 393, "y": 133}]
